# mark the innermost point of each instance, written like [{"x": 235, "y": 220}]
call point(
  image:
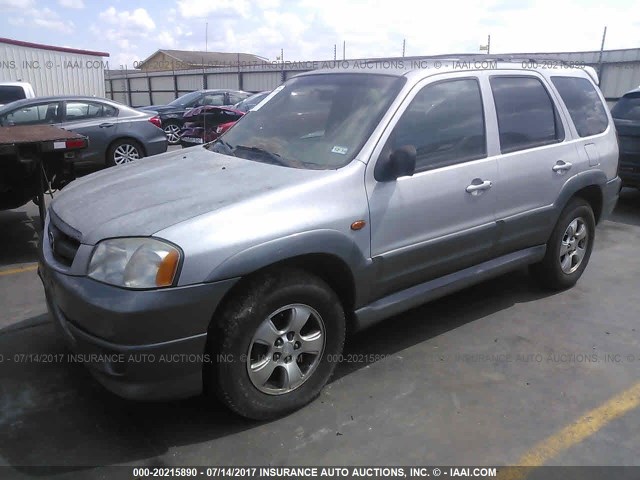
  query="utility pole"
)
[
  {"x": 404, "y": 44},
  {"x": 344, "y": 50},
  {"x": 335, "y": 51},
  {"x": 206, "y": 37},
  {"x": 487, "y": 47},
  {"x": 604, "y": 35}
]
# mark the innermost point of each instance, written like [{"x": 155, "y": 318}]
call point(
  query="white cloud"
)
[
  {"x": 72, "y": 3},
  {"x": 135, "y": 19},
  {"x": 42, "y": 18},
  {"x": 204, "y": 8},
  {"x": 15, "y": 4}
]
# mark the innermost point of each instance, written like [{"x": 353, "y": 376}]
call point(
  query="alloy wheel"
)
[
  {"x": 573, "y": 245},
  {"x": 286, "y": 349}
]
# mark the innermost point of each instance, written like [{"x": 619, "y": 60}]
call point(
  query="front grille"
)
[{"x": 64, "y": 244}]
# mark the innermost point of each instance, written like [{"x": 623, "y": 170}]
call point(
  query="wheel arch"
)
[
  {"x": 587, "y": 185},
  {"x": 125, "y": 137}
]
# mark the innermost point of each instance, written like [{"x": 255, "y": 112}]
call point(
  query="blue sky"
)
[{"x": 131, "y": 30}]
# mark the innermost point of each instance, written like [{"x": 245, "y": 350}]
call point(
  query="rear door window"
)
[
  {"x": 584, "y": 105},
  {"x": 527, "y": 117},
  {"x": 78, "y": 110}
]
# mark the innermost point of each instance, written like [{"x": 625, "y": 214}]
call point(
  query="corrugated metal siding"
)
[
  {"x": 162, "y": 83},
  {"x": 140, "y": 99},
  {"x": 257, "y": 82},
  {"x": 139, "y": 84},
  {"x": 223, "y": 80},
  {"x": 53, "y": 73},
  {"x": 617, "y": 79},
  {"x": 189, "y": 83},
  {"x": 620, "y": 73},
  {"x": 120, "y": 97},
  {"x": 162, "y": 98}
]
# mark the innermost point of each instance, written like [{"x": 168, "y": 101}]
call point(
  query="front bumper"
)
[{"x": 144, "y": 345}]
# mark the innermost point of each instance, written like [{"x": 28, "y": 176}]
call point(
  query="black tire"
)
[
  {"x": 549, "y": 272},
  {"x": 123, "y": 143},
  {"x": 235, "y": 325},
  {"x": 173, "y": 138}
]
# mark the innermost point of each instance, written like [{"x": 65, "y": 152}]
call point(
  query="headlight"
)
[{"x": 135, "y": 262}]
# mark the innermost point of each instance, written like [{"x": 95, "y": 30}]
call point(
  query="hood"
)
[{"x": 144, "y": 197}]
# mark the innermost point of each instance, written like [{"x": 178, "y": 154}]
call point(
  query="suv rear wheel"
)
[
  {"x": 275, "y": 343},
  {"x": 569, "y": 247}
]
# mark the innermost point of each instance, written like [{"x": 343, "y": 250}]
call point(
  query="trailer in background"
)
[{"x": 35, "y": 160}]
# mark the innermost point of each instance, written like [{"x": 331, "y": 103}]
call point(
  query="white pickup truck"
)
[{"x": 12, "y": 91}]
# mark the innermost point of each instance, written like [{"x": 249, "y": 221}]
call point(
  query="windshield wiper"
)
[
  {"x": 274, "y": 157},
  {"x": 220, "y": 141}
]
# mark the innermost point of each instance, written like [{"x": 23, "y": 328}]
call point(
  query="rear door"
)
[
  {"x": 96, "y": 120},
  {"x": 441, "y": 219},
  {"x": 536, "y": 158}
]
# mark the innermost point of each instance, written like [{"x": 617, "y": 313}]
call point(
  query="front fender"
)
[{"x": 327, "y": 242}]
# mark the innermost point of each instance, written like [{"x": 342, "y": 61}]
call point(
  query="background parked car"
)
[
  {"x": 117, "y": 134},
  {"x": 626, "y": 116},
  {"x": 12, "y": 91},
  {"x": 171, "y": 115},
  {"x": 205, "y": 124}
]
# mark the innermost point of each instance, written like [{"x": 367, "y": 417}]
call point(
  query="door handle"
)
[
  {"x": 106, "y": 125},
  {"x": 561, "y": 167},
  {"x": 478, "y": 186}
]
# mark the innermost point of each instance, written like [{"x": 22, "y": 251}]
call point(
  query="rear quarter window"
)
[{"x": 584, "y": 104}]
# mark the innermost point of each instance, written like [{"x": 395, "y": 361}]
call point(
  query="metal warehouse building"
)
[
  {"x": 619, "y": 72},
  {"x": 53, "y": 70}
]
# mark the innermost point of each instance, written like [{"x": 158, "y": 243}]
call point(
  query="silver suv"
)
[{"x": 341, "y": 199}]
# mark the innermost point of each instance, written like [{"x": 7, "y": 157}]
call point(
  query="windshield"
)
[
  {"x": 314, "y": 122},
  {"x": 627, "y": 108},
  {"x": 248, "y": 103},
  {"x": 185, "y": 99}
]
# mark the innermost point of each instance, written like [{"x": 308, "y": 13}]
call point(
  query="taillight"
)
[{"x": 156, "y": 121}]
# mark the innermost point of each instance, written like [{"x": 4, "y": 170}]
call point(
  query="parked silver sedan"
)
[{"x": 117, "y": 134}]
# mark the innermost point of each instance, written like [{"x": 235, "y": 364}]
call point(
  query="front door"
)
[{"x": 442, "y": 218}]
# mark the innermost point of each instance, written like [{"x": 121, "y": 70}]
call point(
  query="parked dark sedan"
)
[
  {"x": 171, "y": 115},
  {"x": 117, "y": 134},
  {"x": 626, "y": 116}
]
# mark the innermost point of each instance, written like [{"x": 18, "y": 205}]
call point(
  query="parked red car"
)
[{"x": 205, "y": 124}]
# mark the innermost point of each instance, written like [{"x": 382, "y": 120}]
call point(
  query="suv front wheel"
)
[
  {"x": 569, "y": 247},
  {"x": 275, "y": 343}
]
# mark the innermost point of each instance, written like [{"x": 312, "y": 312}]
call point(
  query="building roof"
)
[
  {"x": 207, "y": 59},
  {"x": 41, "y": 46}
]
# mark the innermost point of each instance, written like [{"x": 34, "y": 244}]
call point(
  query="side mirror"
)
[{"x": 399, "y": 163}]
